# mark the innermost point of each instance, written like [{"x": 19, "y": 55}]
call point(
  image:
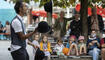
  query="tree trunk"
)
[
  {"x": 83, "y": 17},
  {"x": 49, "y": 18}
]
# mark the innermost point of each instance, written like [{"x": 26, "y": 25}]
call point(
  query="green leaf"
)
[
  {"x": 44, "y": 0},
  {"x": 36, "y": 0},
  {"x": 42, "y": 4},
  {"x": 27, "y": 1},
  {"x": 14, "y": 1},
  {"x": 103, "y": 5},
  {"x": 89, "y": 0},
  {"x": 72, "y": 1}
]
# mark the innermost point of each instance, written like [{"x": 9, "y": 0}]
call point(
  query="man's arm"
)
[
  {"x": 98, "y": 44},
  {"x": 90, "y": 44},
  {"x": 95, "y": 41},
  {"x": 18, "y": 29},
  {"x": 23, "y": 36}
]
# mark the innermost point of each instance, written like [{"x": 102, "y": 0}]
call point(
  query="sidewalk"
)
[{"x": 5, "y": 54}]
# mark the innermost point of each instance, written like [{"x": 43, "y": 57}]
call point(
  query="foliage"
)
[
  {"x": 27, "y": 1},
  {"x": 67, "y": 3},
  {"x": 96, "y": 2},
  {"x": 36, "y": 0}
]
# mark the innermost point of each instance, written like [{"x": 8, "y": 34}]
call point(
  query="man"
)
[
  {"x": 60, "y": 25},
  {"x": 18, "y": 33},
  {"x": 75, "y": 26},
  {"x": 1, "y": 28},
  {"x": 95, "y": 22},
  {"x": 93, "y": 45}
]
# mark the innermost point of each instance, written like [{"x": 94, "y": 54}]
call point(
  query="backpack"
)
[{"x": 39, "y": 55}]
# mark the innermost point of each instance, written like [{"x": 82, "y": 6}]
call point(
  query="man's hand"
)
[
  {"x": 24, "y": 37},
  {"x": 95, "y": 41},
  {"x": 36, "y": 29},
  {"x": 90, "y": 44}
]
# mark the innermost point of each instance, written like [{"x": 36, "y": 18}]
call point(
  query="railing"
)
[{"x": 3, "y": 36}]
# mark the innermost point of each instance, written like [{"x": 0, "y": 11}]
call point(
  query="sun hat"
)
[{"x": 72, "y": 37}]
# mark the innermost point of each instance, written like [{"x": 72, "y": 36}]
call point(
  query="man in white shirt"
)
[{"x": 18, "y": 33}]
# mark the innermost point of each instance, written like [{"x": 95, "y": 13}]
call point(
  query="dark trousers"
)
[{"x": 20, "y": 54}]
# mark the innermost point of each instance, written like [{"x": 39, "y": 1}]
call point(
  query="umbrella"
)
[{"x": 43, "y": 14}]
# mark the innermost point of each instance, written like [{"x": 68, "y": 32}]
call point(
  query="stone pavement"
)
[{"x": 5, "y": 54}]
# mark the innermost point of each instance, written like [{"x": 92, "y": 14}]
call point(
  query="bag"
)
[
  {"x": 65, "y": 51},
  {"x": 39, "y": 55}
]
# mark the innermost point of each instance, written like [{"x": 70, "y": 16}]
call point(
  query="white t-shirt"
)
[
  {"x": 47, "y": 53},
  {"x": 36, "y": 43},
  {"x": 16, "y": 25},
  {"x": 59, "y": 48}
]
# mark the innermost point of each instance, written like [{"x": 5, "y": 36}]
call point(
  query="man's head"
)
[
  {"x": 20, "y": 7},
  {"x": 94, "y": 11},
  {"x": 77, "y": 15},
  {"x": 93, "y": 33},
  {"x": 62, "y": 14}
]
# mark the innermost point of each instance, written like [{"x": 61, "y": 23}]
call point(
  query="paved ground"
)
[{"x": 5, "y": 54}]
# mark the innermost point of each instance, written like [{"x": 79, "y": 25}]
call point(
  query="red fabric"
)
[
  {"x": 43, "y": 14},
  {"x": 102, "y": 41},
  {"x": 4, "y": 34},
  {"x": 100, "y": 10},
  {"x": 78, "y": 9}
]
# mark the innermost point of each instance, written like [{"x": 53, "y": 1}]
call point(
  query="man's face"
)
[
  {"x": 76, "y": 16},
  {"x": 24, "y": 8},
  {"x": 93, "y": 34},
  {"x": 62, "y": 14}
]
